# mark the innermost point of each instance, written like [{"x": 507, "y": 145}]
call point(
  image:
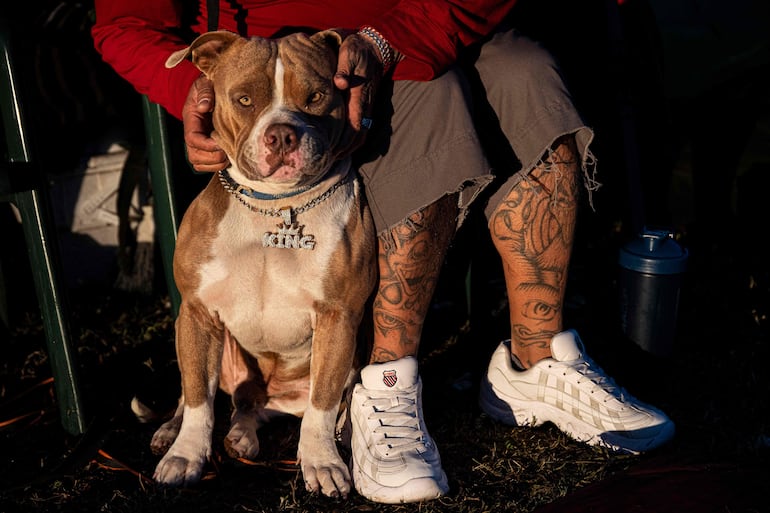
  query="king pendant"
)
[{"x": 289, "y": 234}]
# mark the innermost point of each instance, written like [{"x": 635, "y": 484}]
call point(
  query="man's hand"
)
[
  {"x": 203, "y": 152},
  {"x": 359, "y": 72}
]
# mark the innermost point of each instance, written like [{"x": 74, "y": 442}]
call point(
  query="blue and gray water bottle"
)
[{"x": 651, "y": 269}]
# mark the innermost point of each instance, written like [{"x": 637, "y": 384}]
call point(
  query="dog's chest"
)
[{"x": 267, "y": 275}]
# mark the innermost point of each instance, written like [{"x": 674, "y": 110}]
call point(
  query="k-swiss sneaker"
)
[
  {"x": 574, "y": 393},
  {"x": 394, "y": 457}
]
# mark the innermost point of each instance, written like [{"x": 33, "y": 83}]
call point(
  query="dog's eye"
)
[
  {"x": 245, "y": 101},
  {"x": 314, "y": 97}
]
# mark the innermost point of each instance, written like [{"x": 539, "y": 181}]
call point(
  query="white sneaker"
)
[
  {"x": 394, "y": 457},
  {"x": 573, "y": 392}
]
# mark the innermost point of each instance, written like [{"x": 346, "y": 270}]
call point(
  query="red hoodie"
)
[{"x": 136, "y": 37}]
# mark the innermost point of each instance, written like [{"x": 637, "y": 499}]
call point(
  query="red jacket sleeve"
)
[
  {"x": 430, "y": 33},
  {"x": 136, "y": 37}
]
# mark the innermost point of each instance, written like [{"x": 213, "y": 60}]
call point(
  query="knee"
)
[{"x": 514, "y": 59}]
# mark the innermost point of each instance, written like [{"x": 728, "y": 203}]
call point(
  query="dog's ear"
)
[
  {"x": 205, "y": 50},
  {"x": 331, "y": 38}
]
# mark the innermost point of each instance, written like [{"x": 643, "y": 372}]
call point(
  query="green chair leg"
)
[
  {"x": 165, "y": 209},
  {"x": 24, "y": 185},
  {"x": 46, "y": 270}
]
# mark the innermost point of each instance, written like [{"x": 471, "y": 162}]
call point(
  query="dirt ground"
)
[{"x": 713, "y": 385}]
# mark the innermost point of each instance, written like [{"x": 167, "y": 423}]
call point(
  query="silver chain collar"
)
[{"x": 287, "y": 213}]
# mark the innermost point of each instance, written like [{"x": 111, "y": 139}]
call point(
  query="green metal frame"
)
[
  {"x": 161, "y": 179},
  {"x": 23, "y": 183}
]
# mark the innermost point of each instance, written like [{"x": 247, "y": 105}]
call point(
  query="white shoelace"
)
[
  {"x": 591, "y": 371},
  {"x": 399, "y": 428}
]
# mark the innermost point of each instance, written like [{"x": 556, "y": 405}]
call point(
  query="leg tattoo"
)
[
  {"x": 533, "y": 230},
  {"x": 409, "y": 263}
]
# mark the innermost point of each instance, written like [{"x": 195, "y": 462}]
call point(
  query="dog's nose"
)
[{"x": 280, "y": 138}]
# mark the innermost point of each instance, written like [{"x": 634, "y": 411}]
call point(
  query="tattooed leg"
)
[
  {"x": 533, "y": 230},
  {"x": 410, "y": 260}
]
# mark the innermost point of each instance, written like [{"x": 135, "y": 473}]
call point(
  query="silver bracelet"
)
[{"x": 386, "y": 51}]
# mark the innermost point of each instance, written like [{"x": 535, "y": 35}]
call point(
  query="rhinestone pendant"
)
[{"x": 289, "y": 235}]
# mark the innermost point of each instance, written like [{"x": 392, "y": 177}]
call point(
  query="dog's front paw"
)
[
  {"x": 180, "y": 469},
  {"x": 325, "y": 472}
]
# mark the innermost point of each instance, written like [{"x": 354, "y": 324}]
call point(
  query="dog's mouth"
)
[
  {"x": 277, "y": 161},
  {"x": 281, "y": 143},
  {"x": 287, "y": 154}
]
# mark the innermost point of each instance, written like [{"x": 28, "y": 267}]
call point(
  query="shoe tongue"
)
[
  {"x": 396, "y": 375},
  {"x": 566, "y": 346}
]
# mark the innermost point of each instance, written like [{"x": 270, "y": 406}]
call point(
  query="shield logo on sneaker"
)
[{"x": 389, "y": 378}]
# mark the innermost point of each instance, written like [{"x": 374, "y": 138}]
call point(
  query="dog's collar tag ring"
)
[
  {"x": 286, "y": 215},
  {"x": 289, "y": 235}
]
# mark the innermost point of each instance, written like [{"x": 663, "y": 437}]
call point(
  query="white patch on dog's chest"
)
[{"x": 265, "y": 295}]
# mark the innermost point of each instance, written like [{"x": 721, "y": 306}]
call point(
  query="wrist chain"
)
[{"x": 386, "y": 51}]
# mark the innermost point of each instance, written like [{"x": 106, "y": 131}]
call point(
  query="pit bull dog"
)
[{"x": 274, "y": 259}]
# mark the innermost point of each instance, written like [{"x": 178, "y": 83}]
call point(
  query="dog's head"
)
[{"x": 278, "y": 115}]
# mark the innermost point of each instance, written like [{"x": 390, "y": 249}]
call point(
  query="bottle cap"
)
[{"x": 654, "y": 252}]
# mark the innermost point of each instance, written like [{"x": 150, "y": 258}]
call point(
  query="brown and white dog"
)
[{"x": 274, "y": 260}]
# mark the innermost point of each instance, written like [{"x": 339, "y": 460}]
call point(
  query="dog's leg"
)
[
  {"x": 330, "y": 370},
  {"x": 199, "y": 345},
  {"x": 242, "y": 379},
  {"x": 242, "y": 440}
]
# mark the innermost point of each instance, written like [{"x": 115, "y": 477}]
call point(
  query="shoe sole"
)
[
  {"x": 414, "y": 490},
  {"x": 535, "y": 414}
]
